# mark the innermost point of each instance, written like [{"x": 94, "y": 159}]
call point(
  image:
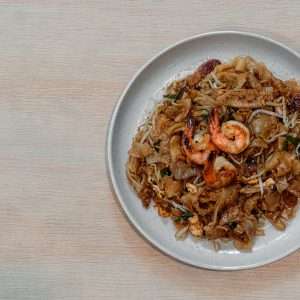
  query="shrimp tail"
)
[
  {"x": 188, "y": 133},
  {"x": 209, "y": 175}
]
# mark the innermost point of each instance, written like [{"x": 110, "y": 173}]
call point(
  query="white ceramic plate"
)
[{"x": 139, "y": 97}]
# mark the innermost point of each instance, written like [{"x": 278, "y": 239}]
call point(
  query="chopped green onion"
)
[
  {"x": 205, "y": 116},
  {"x": 156, "y": 145},
  {"x": 175, "y": 96},
  {"x": 184, "y": 217},
  {"x": 232, "y": 224},
  {"x": 170, "y": 96},
  {"x": 292, "y": 140},
  {"x": 285, "y": 145},
  {"x": 165, "y": 172}
]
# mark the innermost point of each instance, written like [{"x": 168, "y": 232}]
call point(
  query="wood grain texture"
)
[{"x": 63, "y": 66}]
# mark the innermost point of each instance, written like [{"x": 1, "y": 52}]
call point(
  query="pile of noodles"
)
[{"x": 268, "y": 182}]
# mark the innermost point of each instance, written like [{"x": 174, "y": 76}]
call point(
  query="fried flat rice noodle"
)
[{"x": 173, "y": 153}]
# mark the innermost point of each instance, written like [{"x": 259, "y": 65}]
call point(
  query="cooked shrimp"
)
[
  {"x": 232, "y": 137},
  {"x": 219, "y": 173},
  {"x": 197, "y": 151}
]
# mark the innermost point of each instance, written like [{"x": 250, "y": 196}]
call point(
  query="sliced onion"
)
[
  {"x": 157, "y": 158},
  {"x": 282, "y": 185},
  {"x": 181, "y": 170},
  {"x": 261, "y": 186}
]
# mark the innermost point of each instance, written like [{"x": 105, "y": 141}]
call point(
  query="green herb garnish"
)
[
  {"x": 205, "y": 115},
  {"x": 156, "y": 146},
  {"x": 165, "y": 172},
  {"x": 175, "y": 96},
  {"x": 285, "y": 145},
  {"x": 185, "y": 215},
  {"x": 232, "y": 224},
  {"x": 293, "y": 140}
]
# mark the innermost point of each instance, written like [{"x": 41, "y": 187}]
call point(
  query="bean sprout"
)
[
  {"x": 264, "y": 111},
  {"x": 274, "y": 138}
]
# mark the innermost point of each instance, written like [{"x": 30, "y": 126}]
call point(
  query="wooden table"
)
[{"x": 63, "y": 66}]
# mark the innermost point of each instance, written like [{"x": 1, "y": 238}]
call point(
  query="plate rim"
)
[{"x": 109, "y": 158}]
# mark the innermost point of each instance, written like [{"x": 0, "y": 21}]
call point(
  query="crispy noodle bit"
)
[{"x": 220, "y": 153}]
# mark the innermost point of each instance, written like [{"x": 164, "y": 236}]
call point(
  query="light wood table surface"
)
[{"x": 63, "y": 66}]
